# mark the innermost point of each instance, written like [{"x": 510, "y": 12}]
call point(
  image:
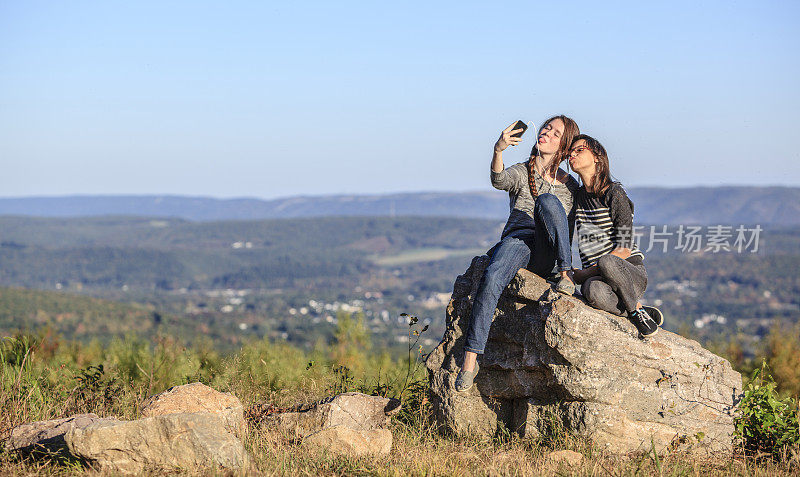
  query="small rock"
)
[
  {"x": 343, "y": 440},
  {"x": 185, "y": 441},
  {"x": 568, "y": 457},
  {"x": 356, "y": 411},
  {"x": 47, "y": 437},
  {"x": 197, "y": 397}
]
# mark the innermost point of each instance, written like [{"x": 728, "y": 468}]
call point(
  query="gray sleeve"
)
[
  {"x": 621, "y": 210},
  {"x": 511, "y": 178},
  {"x": 571, "y": 222}
]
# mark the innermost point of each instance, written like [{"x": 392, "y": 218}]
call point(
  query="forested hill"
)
[{"x": 692, "y": 205}]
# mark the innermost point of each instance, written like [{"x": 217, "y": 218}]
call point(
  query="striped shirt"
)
[{"x": 604, "y": 222}]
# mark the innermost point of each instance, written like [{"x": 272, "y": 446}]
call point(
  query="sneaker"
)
[
  {"x": 565, "y": 286},
  {"x": 464, "y": 378},
  {"x": 655, "y": 314},
  {"x": 643, "y": 322}
]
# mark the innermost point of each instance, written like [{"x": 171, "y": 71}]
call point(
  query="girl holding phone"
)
[{"x": 538, "y": 232}]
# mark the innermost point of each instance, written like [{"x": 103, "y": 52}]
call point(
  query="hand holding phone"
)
[
  {"x": 519, "y": 125},
  {"x": 509, "y": 139}
]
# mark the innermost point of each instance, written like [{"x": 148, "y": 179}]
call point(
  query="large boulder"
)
[
  {"x": 174, "y": 441},
  {"x": 47, "y": 437},
  {"x": 553, "y": 359},
  {"x": 194, "y": 398}
]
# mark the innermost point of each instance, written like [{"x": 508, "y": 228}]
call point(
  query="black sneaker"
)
[
  {"x": 643, "y": 322},
  {"x": 655, "y": 314}
]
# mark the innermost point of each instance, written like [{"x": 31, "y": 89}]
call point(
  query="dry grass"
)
[
  {"x": 420, "y": 451},
  {"x": 46, "y": 389},
  {"x": 423, "y": 452}
]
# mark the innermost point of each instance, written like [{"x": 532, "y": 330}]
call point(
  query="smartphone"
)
[{"x": 518, "y": 125}]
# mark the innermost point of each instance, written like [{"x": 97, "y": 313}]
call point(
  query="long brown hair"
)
[
  {"x": 602, "y": 175},
  {"x": 570, "y": 131}
]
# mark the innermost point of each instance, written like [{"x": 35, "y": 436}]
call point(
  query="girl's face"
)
[
  {"x": 581, "y": 158},
  {"x": 550, "y": 136}
]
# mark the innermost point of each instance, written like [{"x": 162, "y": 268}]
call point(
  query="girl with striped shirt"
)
[{"x": 613, "y": 277}]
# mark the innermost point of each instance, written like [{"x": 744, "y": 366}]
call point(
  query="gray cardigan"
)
[{"x": 514, "y": 180}]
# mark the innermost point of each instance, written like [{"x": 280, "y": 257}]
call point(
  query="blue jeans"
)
[{"x": 547, "y": 250}]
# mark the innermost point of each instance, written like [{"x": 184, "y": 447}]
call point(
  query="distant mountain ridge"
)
[{"x": 729, "y": 205}]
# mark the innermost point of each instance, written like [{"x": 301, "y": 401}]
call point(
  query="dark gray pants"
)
[{"x": 619, "y": 286}]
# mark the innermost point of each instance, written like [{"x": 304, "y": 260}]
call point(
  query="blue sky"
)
[{"x": 231, "y": 99}]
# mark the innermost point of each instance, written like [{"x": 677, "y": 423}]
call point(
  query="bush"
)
[
  {"x": 766, "y": 423},
  {"x": 783, "y": 358}
]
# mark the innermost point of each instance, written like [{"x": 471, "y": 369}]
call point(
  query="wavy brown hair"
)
[
  {"x": 602, "y": 176},
  {"x": 571, "y": 130}
]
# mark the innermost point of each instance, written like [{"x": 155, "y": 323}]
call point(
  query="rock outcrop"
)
[
  {"x": 47, "y": 437},
  {"x": 553, "y": 359},
  {"x": 198, "y": 398},
  {"x": 356, "y": 411},
  {"x": 186, "y": 430},
  {"x": 353, "y": 423},
  {"x": 174, "y": 441}
]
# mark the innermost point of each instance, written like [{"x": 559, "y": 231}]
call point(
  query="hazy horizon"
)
[{"x": 376, "y": 194}]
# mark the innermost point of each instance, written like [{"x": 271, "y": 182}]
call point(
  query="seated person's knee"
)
[
  {"x": 547, "y": 200},
  {"x": 606, "y": 263},
  {"x": 589, "y": 292},
  {"x": 547, "y": 205}
]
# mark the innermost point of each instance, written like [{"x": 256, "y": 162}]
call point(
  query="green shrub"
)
[
  {"x": 15, "y": 350},
  {"x": 766, "y": 423}
]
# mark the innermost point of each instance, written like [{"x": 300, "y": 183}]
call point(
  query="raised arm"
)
[
  {"x": 503, "y": 178},
  {"x": 506, "y": 139}
]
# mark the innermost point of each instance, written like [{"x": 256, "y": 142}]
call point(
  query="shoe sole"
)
[
  {"x": 660, "y": 315},
  {"x": 647, "y": 336}
]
